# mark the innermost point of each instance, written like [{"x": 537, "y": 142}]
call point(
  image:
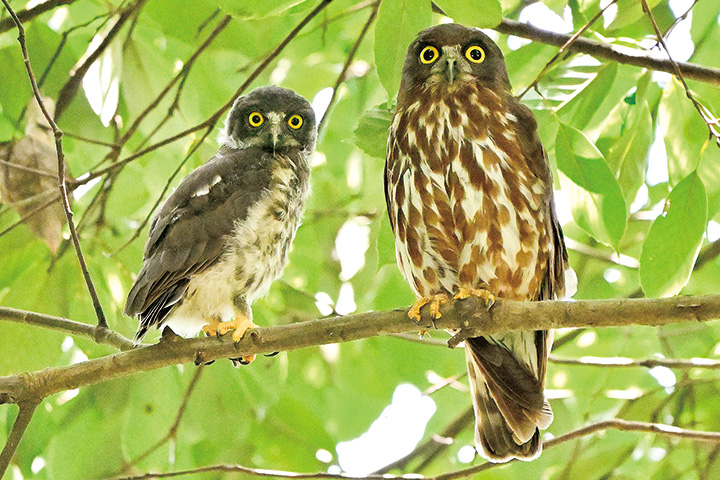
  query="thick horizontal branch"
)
[
  {"x": 624, "y": 55},
  {"x": 469, "y": 315}
]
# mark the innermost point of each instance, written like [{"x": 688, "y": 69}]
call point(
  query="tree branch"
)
[
  {"x": 67, "y": 92},
  {"x": 434, "y": 445},
  {"x": 609, "y": 51},
  {"x": 468, "y": 315},
  {"x": 7, "y": 24},
  {"x": 57, "y": 133},
  {"x": 615, "y": 424},
  {"x": 95, "y": 333},
  {"x": 616, "y": 362},
  {"x": 348, "y": 62},
  {"x": 172, "y": 431},
  {"x": 213, "y": 119},
  {"x": 24, "y": 416}
]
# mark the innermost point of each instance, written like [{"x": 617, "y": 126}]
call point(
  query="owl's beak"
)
[
  {"x": 451, "y": 64},
  {"x": 274, "y": 120},
  {"x": 451, "y": 70}
]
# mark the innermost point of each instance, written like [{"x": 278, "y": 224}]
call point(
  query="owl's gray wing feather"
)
[{"x": 189, "y": 232}]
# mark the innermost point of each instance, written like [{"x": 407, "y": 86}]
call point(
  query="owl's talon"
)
[
  {"x": 271, "y": 354},
  {"x": 246, "y": 360},
  {"x": 435, "y": 301},
  {"x": 240, "y": 325},
  {"x": 481, "y": 293}
]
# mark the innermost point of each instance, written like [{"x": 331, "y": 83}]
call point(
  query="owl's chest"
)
[
  {"x": 259, "y": 247},
  {"x": 474, "y": 210}
]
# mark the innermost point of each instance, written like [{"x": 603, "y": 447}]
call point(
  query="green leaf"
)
[
  {"x": 590, "y": 95},
  {"x": 398, "y": 22},
  {"x": 682, "y": 129},
  {"x": 372, "y": 132},
  {"x": 628, "y": 155},
  {"x": 253, "y": 10},
  {"x": 556, "y": 6},
  {"x": 597, "y": 201},
  {"x": 629, "y": 12},
  {"x": 674, "y": 240},
  {"x": 478, "y": 13}
]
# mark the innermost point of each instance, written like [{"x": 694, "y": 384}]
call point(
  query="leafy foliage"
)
[{"x": 608, "y": 130}]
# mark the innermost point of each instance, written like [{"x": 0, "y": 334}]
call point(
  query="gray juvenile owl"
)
[
  {"x": 224, "y": 234},
  {"x": 470, "y": 198}
]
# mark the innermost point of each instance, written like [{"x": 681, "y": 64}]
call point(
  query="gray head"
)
[
  {"x": 448, "y": 55},
  {"x": 271, "y": 118}
]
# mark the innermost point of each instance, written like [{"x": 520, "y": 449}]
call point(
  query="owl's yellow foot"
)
[
  {"x": 481, "y": 293},
  {"x": 435, "y": 301},
  {"x": 211, "y": 328},
  {"x": 240, "y": 325}
]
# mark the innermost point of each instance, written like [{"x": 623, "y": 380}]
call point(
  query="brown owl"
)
[{"x": 470, "y": 199}]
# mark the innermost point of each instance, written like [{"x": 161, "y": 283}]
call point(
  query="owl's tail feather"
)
[{"x": 509, "y": 402}]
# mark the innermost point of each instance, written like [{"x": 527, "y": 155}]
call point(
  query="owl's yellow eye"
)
[
  {"x": 429, "y": 54},
  {"x": 295, "y": 122},
  {"x": 256, "y": 119},
  {"x": 475, "y": 54}
]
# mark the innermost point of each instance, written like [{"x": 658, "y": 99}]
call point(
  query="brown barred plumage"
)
[{"x": 469, "y": 194}]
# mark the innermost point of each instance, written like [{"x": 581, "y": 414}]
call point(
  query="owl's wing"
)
[
  {"x": 189, "y": 232},
  {"x": 554, "y": 284}
]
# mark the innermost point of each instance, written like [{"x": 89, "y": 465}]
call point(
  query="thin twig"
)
[
  {"x": 614, "y": 424},
  {"x": 615, "y": 362},
  {"x": 61, "y": 170},
  {"x": 257, "y": 472},
  {"x": 348, "y": 62},
  {"x": 187, "y": 66},
  {"x": 7, "y": 24},
  {"x": 31, "y": 214},
  {"x": 623, "y": 55},
  {"x": 213, "y": 119},
  {"x": 42, "y": 173},
  {"x": 91, "y": 141},
  {"x": 712, "y": 122},
  {"x": 172, "y": 431},
  {"x": 562, "y": 49},
  {"x": 18, "y": 430},
  {"x": 97, "y": 334},
  {"x": 145, "y": 221},
  {"x": 67, "y": 92},
  {"x": 434, "y": 445}
]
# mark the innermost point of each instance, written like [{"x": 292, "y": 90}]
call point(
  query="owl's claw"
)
[
  {"x": 246, "y": 360},
  {"x": 481, "y": 293},
  {"x": 435, "y": 301},
  {"x": 240, "y": 325}
]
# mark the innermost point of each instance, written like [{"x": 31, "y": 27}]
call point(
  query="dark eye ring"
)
[
  {"x": 295, "y": 122},
  {"x": 256, "y": 119},
  {"x": 429, "y": 54},
  {"x": 475, "y": 54}
]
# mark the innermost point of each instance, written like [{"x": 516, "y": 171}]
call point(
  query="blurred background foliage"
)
[{"x": 638, "y": 192}]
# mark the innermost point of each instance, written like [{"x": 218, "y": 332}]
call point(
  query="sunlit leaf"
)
[
  {"x": 372, "y": 132},
  {"x": 245, "y": 9},
  {"x": 397, "y": 24},
  {"x": 479, "y": 13},
  {"x": 629, "y": 12},
  {"x": 597, "y": 201},
  {"x": 628, "y": 155},
  {"x": 674, "y": 240}
]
